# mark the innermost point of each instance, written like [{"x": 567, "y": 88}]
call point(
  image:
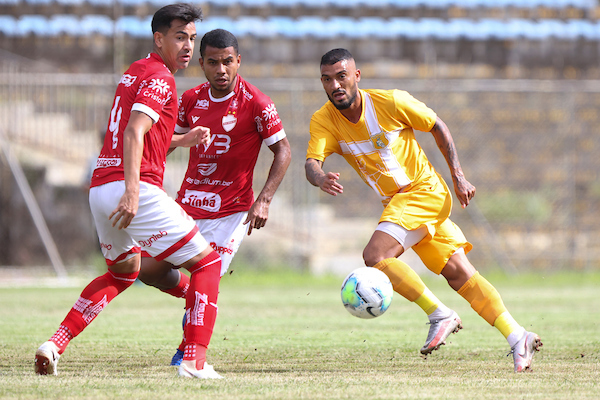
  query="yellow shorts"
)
[{"x": 428, "y": 203}]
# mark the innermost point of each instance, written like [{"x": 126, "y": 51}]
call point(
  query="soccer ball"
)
[{"x": 367, "y": 292}]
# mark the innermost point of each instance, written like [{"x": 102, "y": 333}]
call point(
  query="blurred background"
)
[{"x": 516, "y": 81}]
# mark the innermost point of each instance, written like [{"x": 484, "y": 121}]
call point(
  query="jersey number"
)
[{"x": 115, "y": 119}]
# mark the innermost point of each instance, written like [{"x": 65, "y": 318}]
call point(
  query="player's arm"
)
[
  {"x": 328, "y": 182},
  {"x": 463, "y": 188},
  {"x": 259, "y": 211},
  {"x": 133, "y": 146},
  {"x": 193, "y": 137}
]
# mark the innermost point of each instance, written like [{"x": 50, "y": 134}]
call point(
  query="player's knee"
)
[
  {"x": 147, "y": 277},
  {"x": 371, "y": 257},
  {"x": 457, "y": 271}
]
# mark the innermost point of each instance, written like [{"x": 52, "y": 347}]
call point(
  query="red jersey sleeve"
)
[
  {"x": 153, "y": 93},
  {"x": 268, "y": 122}
]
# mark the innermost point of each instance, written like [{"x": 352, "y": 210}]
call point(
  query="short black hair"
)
[
  {"x": 161, "y": 21},
  {"x": 220, "y": 39},
  {"x": 335, "y": 56}
]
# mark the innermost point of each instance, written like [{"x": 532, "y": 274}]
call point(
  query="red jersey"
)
[
  {"x": 218, "y": 181},
  {"x": 149, "y": 87}
]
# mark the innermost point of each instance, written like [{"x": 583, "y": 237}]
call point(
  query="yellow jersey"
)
[{"x": 381, "y": 146}]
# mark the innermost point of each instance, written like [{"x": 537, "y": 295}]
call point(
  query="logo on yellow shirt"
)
[{"x": 379, "y": 140}]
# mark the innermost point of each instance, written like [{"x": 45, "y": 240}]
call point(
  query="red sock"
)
[
  {"x": 181, "y": 289},
  {"x": 201, "y": 307},
  {"x": 92, "y": 300},
  {"x": 195, "y": 352}
]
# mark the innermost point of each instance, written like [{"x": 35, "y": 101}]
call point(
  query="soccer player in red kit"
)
[
  {"x": 132, "y": 211},
  {"x": 217, "y": 188}
]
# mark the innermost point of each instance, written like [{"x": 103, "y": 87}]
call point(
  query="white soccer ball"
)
[{"x": 367, "y": 292}]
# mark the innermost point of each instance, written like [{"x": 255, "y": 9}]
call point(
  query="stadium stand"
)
[
  {"x": 319, "y": 27},
  {"x": 497, "y": 33}
]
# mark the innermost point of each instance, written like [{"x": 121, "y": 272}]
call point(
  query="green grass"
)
[{"x": 286, "y": 336}]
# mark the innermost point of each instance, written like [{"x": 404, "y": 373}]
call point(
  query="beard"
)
[{"x": 344, "y": 104}]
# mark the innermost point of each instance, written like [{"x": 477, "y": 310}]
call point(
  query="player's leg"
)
[
  {"x": 386, "y": 244},
  {"x": 225, "y": 236},
  {"x": 163, "y": 276},
  {"x": 487, "y": 302},
  {"x": 201, "y": 313},
  {"x": 122, "y": 256},
  {"x": 482, "y": 295},
  {"x": 177, "y": 242}
]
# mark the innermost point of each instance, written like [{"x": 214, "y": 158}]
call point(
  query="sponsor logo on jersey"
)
[
  {"x": 270, "y": 115},
  {"x": 148, "y": 242},
  {"x": 247, "y": 94},
  {"x": 207, "y": 169},
  {"x": 194, "y": 119},
  {"x": 259, "y": 125},
  {"x": 202, "y": 104},
  {"x": 127, "y": 80},
  {"x": 206, "y": 201},
  {"x": 229, "y": 121},
  {"x": 208, "y": 181},
  {"x": 108, "y": 162},
  {"x": 159, "y": 86},
  {"x": 156, "y": 97}
]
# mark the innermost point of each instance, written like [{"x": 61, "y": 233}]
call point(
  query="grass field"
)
[{"x": 287, "y": 336}]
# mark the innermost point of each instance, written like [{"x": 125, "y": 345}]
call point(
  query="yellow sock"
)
[
  {"x": 428, "y": 301},
  {"x": 407, "y": 283},
  {"x": 506, "y": 324},
  {"x": 483, "y": 297}
]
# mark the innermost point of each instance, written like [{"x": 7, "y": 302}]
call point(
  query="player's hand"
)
[
  {"x": 125, "y": 211},
  {"x": 329, "y": 184},
  {"x": 195, "y": 136},
  {"x": 257, "y": 216},
  {"x": 464, "y": 191},
  {"x": 203, "y": 135}
]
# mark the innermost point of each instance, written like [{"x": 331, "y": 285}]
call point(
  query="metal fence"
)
[{"x": 530, "y": 147}]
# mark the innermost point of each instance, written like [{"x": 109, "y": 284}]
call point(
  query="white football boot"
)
[
  {"x": 46, "y": 359},
  {"x": 524, "y": 350},
  {"x": 208, "y": 372},
  {"x": 439, "y": 331}
]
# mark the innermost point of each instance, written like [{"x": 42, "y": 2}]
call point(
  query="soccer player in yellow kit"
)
[{"x": 373, "y": 131}]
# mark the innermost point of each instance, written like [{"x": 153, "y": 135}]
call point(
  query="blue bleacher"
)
[
  {"x": 63, "y": 24},
  {"x": 32, "y": 24},
  {"x": 582, "y": 29},
  {"x": 461, "y": 28},
  {"x": 8, "y": 25},
  {"x": 133, "y": 26},
  {"x": 348, "y": 4},
  {"x": 316, "y": 27},
  {"x": 210, "y": 23},
  {"x": 311, "y": 27},
  {"x": 100, "y": 3},
  {"x": 70, "y": 2},
  {"x": 284, "y": 27},
  {"x": 40, "y": 2},
  {"x": 403, "y": 27},
  {"x": 97, "y": 24},
  {"x": 253, "y": 26}
]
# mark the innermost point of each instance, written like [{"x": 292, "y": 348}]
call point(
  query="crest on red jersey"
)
[{"x": 229, "y": 121}]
